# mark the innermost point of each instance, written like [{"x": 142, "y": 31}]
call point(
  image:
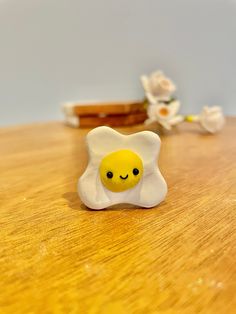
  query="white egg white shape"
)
[{"x": 151, "y": 189}]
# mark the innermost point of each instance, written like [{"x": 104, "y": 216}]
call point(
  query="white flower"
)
[
  {"x": 158, "y": 85},
  {"x": 212, "y": 119},
  {"x": 103, "y": 142},
  {"x": 164, "y": 114}
]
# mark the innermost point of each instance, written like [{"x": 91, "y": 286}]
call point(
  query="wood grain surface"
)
[{"x": 56, "y": 256}]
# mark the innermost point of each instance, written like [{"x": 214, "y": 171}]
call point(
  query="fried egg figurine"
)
[{"x": 122, "y": 169}]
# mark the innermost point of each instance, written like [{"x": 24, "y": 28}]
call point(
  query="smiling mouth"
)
[{"x": 124, "y": 178}]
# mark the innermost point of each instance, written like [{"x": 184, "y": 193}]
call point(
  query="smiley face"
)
[{"x": 121, "y": 170}]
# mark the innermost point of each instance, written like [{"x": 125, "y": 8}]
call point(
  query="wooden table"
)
[{"x": 58, "y": 257}]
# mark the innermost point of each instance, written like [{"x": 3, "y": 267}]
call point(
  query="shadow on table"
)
[{"x": 74, "y": 201}]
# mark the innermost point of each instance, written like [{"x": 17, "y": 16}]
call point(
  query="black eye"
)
[
  {"x": 135, "y": 171},
  {"x": 109, "y": 174}
]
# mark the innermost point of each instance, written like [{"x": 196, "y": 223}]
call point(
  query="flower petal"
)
[
  {"x": 151, "y": 111},
  {"x": 151, "y": 99},
  {"x": 174, "y": 107},
  {"x": 165, "y": 124},
  {"x": 176, "y": 120},
  {"x": 145, "y": 82},
  {"x": 149, "y": 121}
]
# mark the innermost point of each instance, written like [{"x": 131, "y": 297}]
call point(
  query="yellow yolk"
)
[
  {"x": 121, "y": 170},
  {"x": 163, "y": 111}
]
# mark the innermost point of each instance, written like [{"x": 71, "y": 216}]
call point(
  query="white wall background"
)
[{"x": 53, "y": 51}]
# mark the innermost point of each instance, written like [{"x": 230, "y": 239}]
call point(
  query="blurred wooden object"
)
[
  {"x": 110, "y": 108},
  {"x": 111, "y": 114},
  {"x": 113, "y": 120},
  {"x": 58, "y": 257}
]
